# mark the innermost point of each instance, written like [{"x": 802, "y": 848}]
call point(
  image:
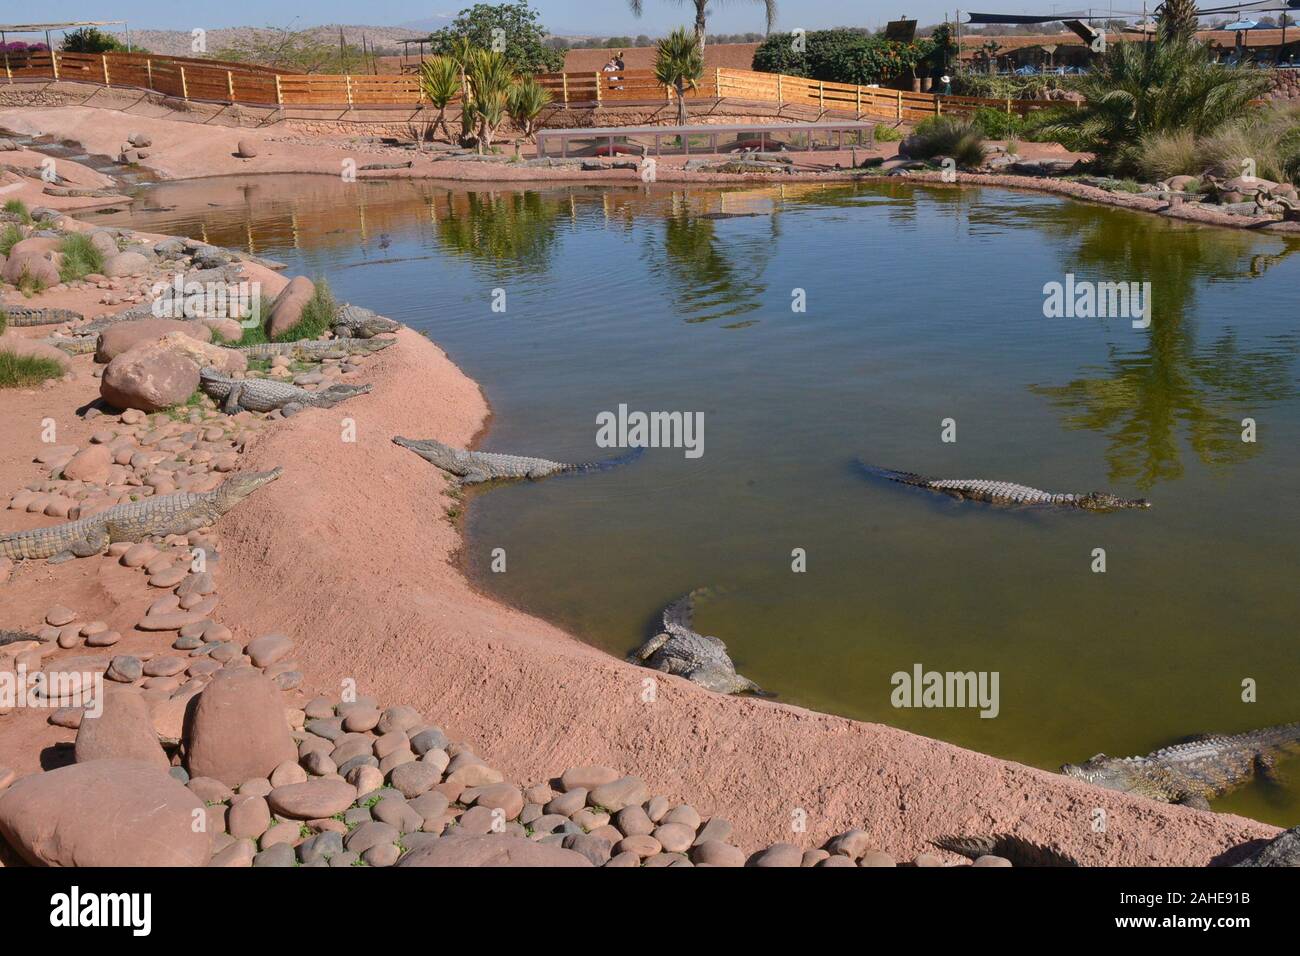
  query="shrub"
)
[
  {"x": 10, "y": 236},
  {"x": 16, "y": 207},
  {"x": 90, "y": 40},
  {"x": 997, "y": 124},
  {"x": 1165, "y": 154},
  {"x": 843, "y": 56},
  {"x": 955, "y": 136},
  {"x": 19, "y": 371},
  {"x": 80, "y": 257},
  {"x": 4, "y": 321},
  {"x": 887, "y": 134},
  {"x": 1270, "y": 138},
  {"x": 316, "y": 319},
  {"x": 525, "y": 102}
]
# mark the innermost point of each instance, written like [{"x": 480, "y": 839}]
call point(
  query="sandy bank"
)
[{"x": 350, "y": 555}]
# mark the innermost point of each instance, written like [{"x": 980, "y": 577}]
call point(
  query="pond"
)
[{"x": 923, "y": 319}]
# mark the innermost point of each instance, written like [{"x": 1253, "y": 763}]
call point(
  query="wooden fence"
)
[{"x": 222, "y": 82}]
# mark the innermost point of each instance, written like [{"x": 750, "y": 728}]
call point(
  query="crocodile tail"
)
[
  {"x": 903, "y": 477},
  {"x": 1019, "y": 851},
  {"x": 615, "y": 462},
  {"x": 682, "y": 611},
  {"x": 1280, "y": 736}
]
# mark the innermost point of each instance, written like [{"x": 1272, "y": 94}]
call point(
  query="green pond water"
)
[{"x": 922, "y": 305}]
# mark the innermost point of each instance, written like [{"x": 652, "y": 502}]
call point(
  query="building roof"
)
[{"x": 972, "y": 43}]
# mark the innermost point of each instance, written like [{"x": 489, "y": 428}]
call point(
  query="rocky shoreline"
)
[{"x": 327, "y": 689}]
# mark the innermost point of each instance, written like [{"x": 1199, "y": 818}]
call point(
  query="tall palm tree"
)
[
  {"x": 679, "y": 63},
  {"x": 1176, "y": 19},
  {"x": 701, "y": 13},
  {"x": 440, "y": 82}
]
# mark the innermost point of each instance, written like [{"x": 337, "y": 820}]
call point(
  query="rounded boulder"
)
[{"x": 237, "y": 730}]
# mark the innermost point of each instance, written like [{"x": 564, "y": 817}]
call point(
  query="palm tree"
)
[
  {"x": 490, "y": 79},
  {"x": 700, "y": 13},
  {"x": 1141, "y": 89},
  {"x": 525, "y": 103},
  {"x": 440, "y": 82},
  {"x": 679, "y": 63},
  {"x": 1176, "y": 19}
]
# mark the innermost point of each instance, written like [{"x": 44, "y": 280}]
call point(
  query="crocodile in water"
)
[
  {"x": 266, "y": 395},
  {"x": 1008, "y": 493},
  {"x": 22, "y": 317},
  {"x": 178, "y": 513},
  {"x": 1191, "y": 773},
  {"x": 354, "y": 322},
  {"x": 476, "y": 466},
  {"x": 680, "y": 649}
]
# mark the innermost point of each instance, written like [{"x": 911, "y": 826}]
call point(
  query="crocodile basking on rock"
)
[
  {"x": 267, "y": 395},
  {"x": 1191, "y": 773},
  {"x": 313, "y": 350},
  {"x": 354, "y": 322},
  {"x": 23, "y": 317},
  {"x": 178, "y": 513},
  {"x": 680, "y": 649},
  {"x": 1008, "y": 493},
  {"x": 473, "y": 467}
]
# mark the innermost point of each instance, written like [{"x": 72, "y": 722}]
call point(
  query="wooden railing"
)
[{"x": 223, "y": 82}]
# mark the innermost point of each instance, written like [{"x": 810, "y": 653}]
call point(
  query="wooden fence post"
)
[
  {"x": 598, "y": 97},
  {"x": 148, "y": 72},
  {"x": 230, "y": 84},
  {"x": 348, "y": 79},
  {"x": 1008, "y": 106},
  {"x": 821, "y": 95},
  {"x": 858, "y": 89},
  {"x": 279, "y": 97},
  {"x": 103, "y": 60},
  {"x": 8, "y": 72},
  {"x": 780, "y": 90},
  {"x": 900, "y": 103},
  {"x": 564, "y": 81},
  {"x": 717, "y": 82},
  {"x": 185, "y": 87},
  {"x": 54, "y": 63}
]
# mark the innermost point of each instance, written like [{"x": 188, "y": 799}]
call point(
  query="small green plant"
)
[
  {"x": 998, "y": 124},
  {"x": 525, "y": 102},
  {"x": 957, "y": 137},
  {"x": 317, "y": 317},
  {"x": 4, "y": 321},
  {"x": 887, "y": 134},
  {"x": 10, "y": 236},
  {"x": 182, "y": 411},
  {"x": 16, "y": 207},
  {"x": 20, "y": 371},
  {"x": 80, "y": 257}
]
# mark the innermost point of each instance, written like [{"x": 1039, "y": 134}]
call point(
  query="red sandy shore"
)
[{"x": 351, "y": 555}]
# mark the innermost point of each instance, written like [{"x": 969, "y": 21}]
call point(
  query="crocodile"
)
[
  {"x": 1194, "y": 772},
  {"x": 73, "y": 346},
  {"x": 178, "y": 513},
  {"x": 267, "y": 395},
  {"x": 354, "y": 322},
  {"x": 13, "y": 637},
  {"x": 679, "y": 649},
  {"x": 23, "y": 317},
  {"x": 473, "y": 467},
  {"x": 1007, "y": 493},
  {"x": 1016, "y": 850},
  {"x": 313, "y": 350}
]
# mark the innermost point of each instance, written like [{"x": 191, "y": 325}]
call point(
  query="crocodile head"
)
[
  {"x": 1101, "y": 501},
  {"x": 1112, "y": 773},
  {"x": 236, "y": 489},
  {"x": 430, "y": 449}
]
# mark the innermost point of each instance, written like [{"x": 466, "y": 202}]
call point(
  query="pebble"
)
[
  {"x": 125, "y": 669},
  {"x": 59, "y": 615}
]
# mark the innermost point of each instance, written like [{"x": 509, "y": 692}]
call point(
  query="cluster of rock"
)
[{"x": 135, "y": 148}]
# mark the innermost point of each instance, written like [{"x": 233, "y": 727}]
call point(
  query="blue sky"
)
[{"x": 599, "y": 17}]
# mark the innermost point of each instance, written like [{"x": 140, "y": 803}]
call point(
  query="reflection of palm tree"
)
[
  {"x": 511, "y": 232},
  {"x": 707, "y": 283},
  {"x": 1142, "y": 399}
]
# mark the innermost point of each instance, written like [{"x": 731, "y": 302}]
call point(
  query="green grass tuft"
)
[
  {"x": 10, "y": 236},
  {"x": 20, "y": 371},
  {"x": 80, "y": 257},
  {"x": 17, "y": 207},
  {"x": 316, "y": 319}
]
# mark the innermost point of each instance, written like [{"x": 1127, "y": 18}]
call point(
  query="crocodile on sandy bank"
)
[
  {"x": 13, "y": 637},
  {"x": 680, "y": 649},
  {"x": 178, "y": 513},
  {"x": 267, "y": 395},
  {"x": 19, "y": 317},
  {"x": 1007, "y": 493},
  {"x": 352, "y": 321},
  {"x": 1191, "y": 773},
  {"x": 313, "y": 350},
  {"x": 477, "y": 466}
]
